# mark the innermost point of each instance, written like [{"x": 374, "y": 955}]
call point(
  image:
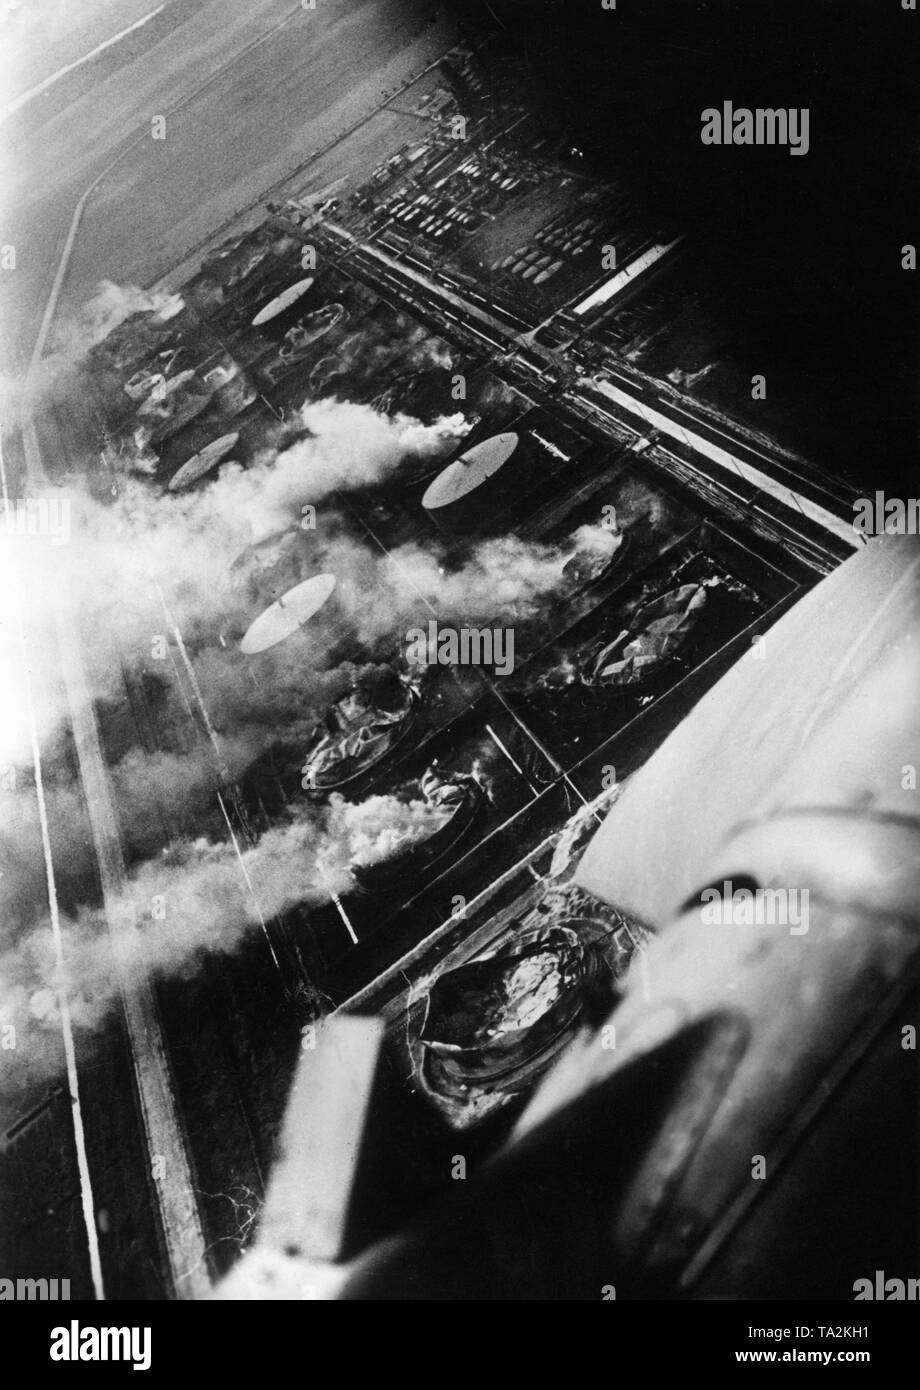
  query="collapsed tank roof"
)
[{"x": 470, "y": 470}]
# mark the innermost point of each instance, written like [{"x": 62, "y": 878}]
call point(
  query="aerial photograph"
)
[{"x": 459, "y": 662}]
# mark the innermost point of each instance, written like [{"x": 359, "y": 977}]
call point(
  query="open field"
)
[{"x": 253, "y": 89}]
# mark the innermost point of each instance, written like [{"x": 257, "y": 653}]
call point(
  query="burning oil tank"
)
[
  {"x": 447, "y": 807},
  {"x": 497, "y": 1019},
  {"x": 479, "y": 486}
]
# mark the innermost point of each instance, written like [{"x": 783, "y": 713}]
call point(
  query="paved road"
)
[
  {"x": 170, "y": 1169},
  {"x": 247, "y": 91}
]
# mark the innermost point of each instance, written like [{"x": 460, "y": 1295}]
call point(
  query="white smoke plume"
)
[
  {"x": 502, "y": 578},
  {"x": 145, "y": 546},
  {"x": 381, "y": 826},
  {"x": 207, "y": 908},
  {"x": 109, "y": 307},
  {"x": 595, "y": 539},
  {"x": 351, "y": 446},
  {"x": 147, "y": 549},
  {"x": 125, "y": 555}
]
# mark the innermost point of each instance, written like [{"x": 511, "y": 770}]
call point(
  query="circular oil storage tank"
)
[
  {"x": 196, "y": 467},
  {"x": 478, "y": 486},
  {"x": 291, "y": 612},
  {"x": 282, "y": 301}
]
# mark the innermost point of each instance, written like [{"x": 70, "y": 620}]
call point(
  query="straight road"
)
[{"x": 170, "y": 1169}]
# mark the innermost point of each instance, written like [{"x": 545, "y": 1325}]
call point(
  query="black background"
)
[{"x": 805, "y": 249}]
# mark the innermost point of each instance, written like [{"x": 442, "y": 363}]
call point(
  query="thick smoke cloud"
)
[
  {"x": 352, "y": 446},
  {"x": 207, "y": 907},
  {"x": 56, "y": 376},
  {"x": 147, "y": 580}
]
